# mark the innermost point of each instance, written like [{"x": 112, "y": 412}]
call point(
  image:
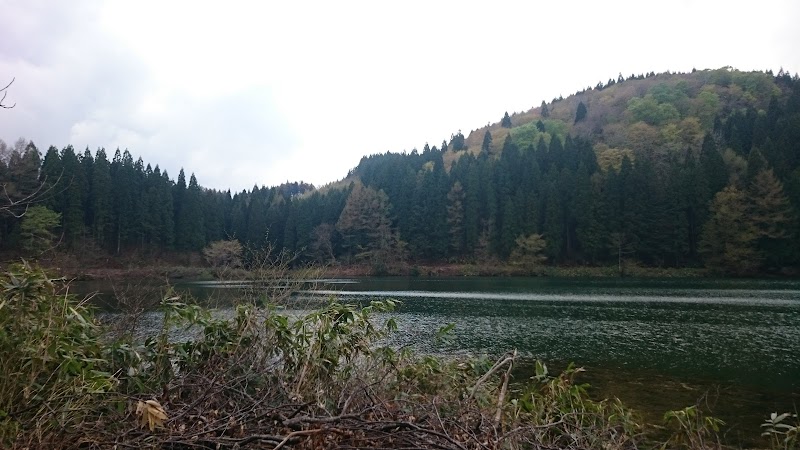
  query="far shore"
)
[
  {"x": 169, "y": 271},
  {"x": 193, "y": 267}
]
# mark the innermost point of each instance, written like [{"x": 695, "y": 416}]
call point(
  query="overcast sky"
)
[{"x": 245, "y": 93}]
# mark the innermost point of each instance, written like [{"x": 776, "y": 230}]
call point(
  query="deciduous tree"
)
[
  {"x": 528, "y": 252},
  {"x": 36, "y": 230},
  {"x": 729, "y": 238},
  {"x": 366, "y": 228},
  {"x": 224, "y": 254}
]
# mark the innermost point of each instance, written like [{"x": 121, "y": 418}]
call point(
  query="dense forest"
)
[{"x": 668, "y": 170}]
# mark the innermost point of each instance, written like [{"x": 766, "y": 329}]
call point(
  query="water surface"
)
[{"x": 657, "y": 344}]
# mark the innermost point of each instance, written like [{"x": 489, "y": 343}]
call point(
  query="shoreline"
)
[
  {"x": 174, "y": 268},
  {"x": 452, "y": 270}
]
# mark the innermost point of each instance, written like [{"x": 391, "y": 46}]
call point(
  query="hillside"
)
[
  {"x": 685, "y": 138},
  {"x": 663, "y": 170},
  {"x": 651, "y": 112}
]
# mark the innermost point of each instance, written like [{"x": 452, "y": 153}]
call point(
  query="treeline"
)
[
  {"x": 730, "y": 203},
  {"x": 121, "y": 205},
  {"x": 709, "y": 175}
]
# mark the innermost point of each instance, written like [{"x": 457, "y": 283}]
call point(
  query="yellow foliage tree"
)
[{"x": 528, "y": 252}]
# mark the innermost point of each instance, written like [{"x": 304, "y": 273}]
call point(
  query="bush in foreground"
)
[{"x": 265, "y": 379}]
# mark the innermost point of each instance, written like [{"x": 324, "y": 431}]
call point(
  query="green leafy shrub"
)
[
  {"x": 781, "y": 433},
  {"x": 692, "y": 428},
  {"x": 54, "y": 364}
]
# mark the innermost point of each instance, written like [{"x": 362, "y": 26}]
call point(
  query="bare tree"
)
[
  {"x": 15, "y": 199},
  {"x": 5, "y": 92},
  {"x": 17, "y": 207}
]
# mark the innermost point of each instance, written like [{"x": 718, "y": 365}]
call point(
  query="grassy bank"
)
[{"x": 195, "y": 269}]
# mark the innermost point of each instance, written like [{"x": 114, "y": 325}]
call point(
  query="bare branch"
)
[
  {"x": 5, "y": 92},
  {"x": 18, "y": 207}
]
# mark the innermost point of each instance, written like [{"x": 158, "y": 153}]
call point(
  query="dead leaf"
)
[{"x": 152, "y": 414}]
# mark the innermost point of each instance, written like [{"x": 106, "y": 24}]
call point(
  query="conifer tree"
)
[
  {"x": 100, "y": 197},
  {"x": 713, "y": 166},
  {"x": 473, "y": 188},
  {"x": 506, "y": 122},
  {"x": 51, "y": 173},
  {"x": 580, "y": 113},
  {"x": 755, "y": 164},
  {"x": 457, "y": 142},
  {"x": 729, "y": 238},
  {"x": 366, "y": 228},
  {"x": 75, "y": 186},
  {"x": 543, "y": 111},
  {"x": 455, "y": 218},
  {"x": 192, "y": 216},
  {"x": 589, "y": 226},
  {"x": 772, "y": 216},
  {"x": 179, "y": 199},
  {"x": 166, "y": 210},
  {"x": 486, "y": 146},
  {"x": 553, "y": 222}
]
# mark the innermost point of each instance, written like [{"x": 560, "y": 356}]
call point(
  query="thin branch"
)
[
  {"x": 502, "y": 397},
  {"x": 19, "y": 207},
  {"x": 5, "y": 92},
  {"x": 505, "y": 359}
]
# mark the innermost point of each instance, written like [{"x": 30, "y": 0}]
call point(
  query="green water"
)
[
  {"x": 742, "y": 333},
  {"x": 656, "y": 344}
]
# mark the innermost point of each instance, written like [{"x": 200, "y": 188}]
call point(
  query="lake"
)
[{"x": 656, "y": 344}]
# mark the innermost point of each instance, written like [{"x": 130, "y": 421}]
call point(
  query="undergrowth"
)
[{"x": 264, "y": 378}]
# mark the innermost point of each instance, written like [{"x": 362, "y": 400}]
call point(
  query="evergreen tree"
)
[
  {"x": 72, "y": 206},
  {"x": 713, "y": 166},
  {"x": 543, "y": 111},
  {"x": 755, "y": 164},
  {"x": 580, "y": 113},
  {"x": 555, "y": 153},
  {"x": 455, "y": 218},
  {"x": 506, "y": 122},
  {"x": 553, "y": 222},
  {"x": 486, "y": 146},
  {"x": 192, "y": 216},
  {"x": 589, "y": 227},
  {"x": 166, "y": 210},
  {"x": 100, "y": 197},
  {"x": 457, "y": 142},
  {"x": 51, "y": 173},
  {"x": 179, "y": 202},
  {"x": 87, "y": 165},
  {"x": 472, "y": 195}
]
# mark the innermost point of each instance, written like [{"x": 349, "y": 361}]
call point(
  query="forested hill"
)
[{"x": 691, "y": 169}]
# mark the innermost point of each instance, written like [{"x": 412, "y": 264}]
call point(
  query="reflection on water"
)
[{"x": 738, "y": 337}]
